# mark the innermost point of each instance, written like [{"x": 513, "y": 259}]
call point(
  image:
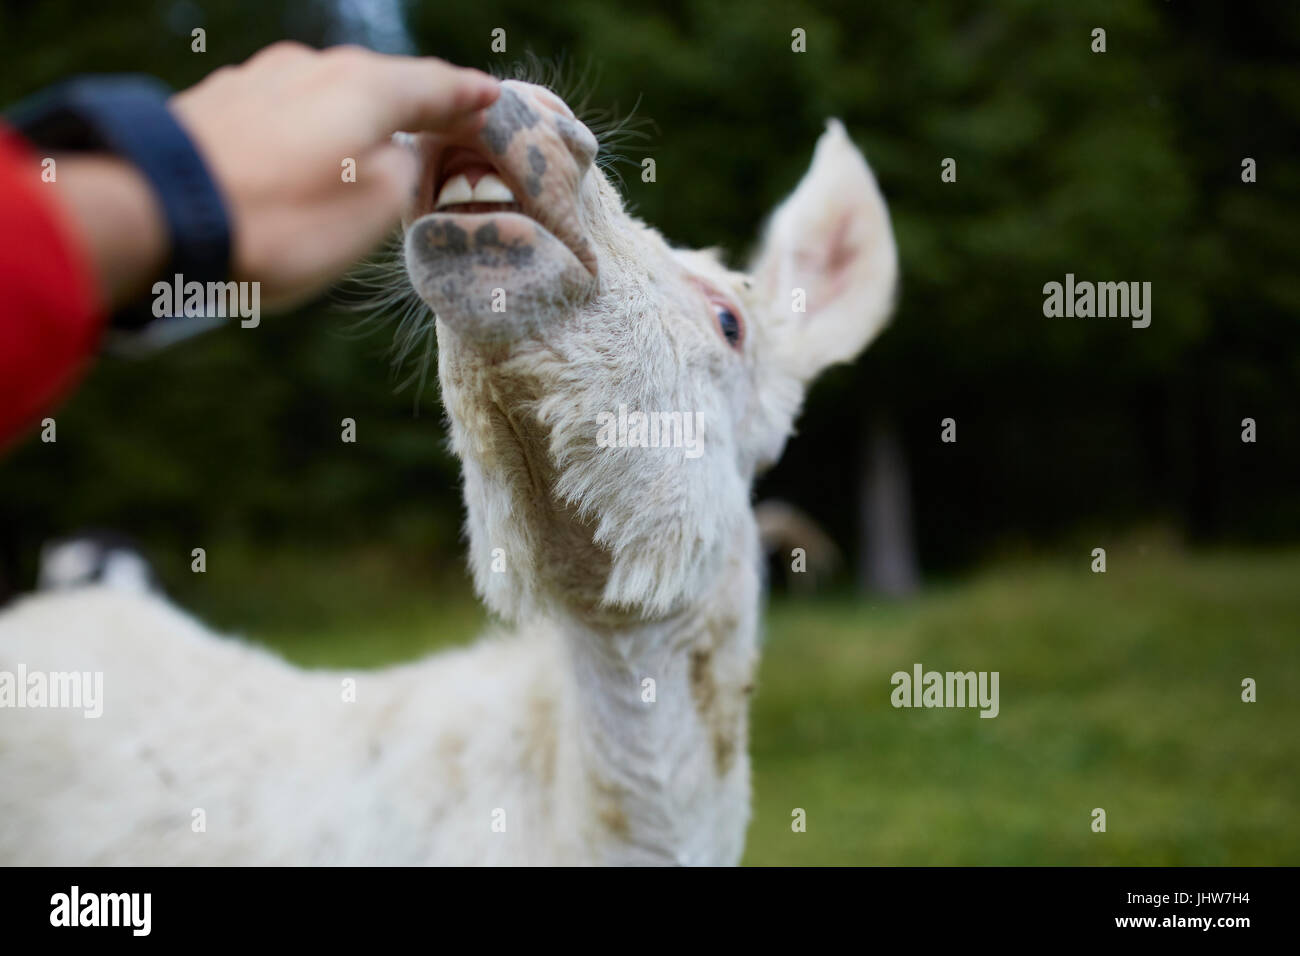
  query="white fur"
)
[{"x": 622, "y": 566}]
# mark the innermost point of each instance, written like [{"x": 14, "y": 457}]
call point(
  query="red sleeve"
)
[{"x": 50, "y": 311}]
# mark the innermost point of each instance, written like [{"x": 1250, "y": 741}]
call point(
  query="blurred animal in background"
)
[
  {"x": 93, "y": 557},
  {"x": 796, "y": 546}
]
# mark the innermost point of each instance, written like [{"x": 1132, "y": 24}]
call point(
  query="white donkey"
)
[{"x": 611, "y": 399}]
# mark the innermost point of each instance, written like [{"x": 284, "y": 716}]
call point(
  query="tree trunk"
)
[{"x": 887, "y": 556}]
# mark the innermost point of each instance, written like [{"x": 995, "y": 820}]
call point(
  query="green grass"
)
[{"x": 1119, "y": 690}]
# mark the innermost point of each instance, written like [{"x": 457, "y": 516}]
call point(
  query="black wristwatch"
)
[{"x": 128, "y": 117}]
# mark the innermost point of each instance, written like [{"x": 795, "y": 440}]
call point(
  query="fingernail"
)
[{"x": 488, "y": 85}]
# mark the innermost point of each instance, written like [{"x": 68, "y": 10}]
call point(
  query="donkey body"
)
[{"x": 608, "y": 722}]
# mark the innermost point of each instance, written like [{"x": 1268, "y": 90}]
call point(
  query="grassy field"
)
[{"x": 1119, "y": 690}]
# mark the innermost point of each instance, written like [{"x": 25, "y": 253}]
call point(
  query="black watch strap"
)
[{"x": 128, "y": 116}]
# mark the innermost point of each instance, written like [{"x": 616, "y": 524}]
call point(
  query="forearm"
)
[
  {"x": 113, "y": 210},
  {"x": 238, "y": 177}
]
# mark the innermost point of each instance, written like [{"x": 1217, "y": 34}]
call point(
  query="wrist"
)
[
  {"x": 126, "y": 119},
  {"x": 120, "y": 219}
]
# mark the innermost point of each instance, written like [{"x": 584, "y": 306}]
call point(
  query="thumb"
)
[
  {"x": 342, "y": 226},
  {"x": 371, "y": 207}
]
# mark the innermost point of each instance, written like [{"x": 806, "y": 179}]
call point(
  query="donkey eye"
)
[{"x": 728, "y": 324}]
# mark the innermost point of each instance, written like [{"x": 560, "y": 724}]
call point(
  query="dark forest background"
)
[{"x": 1117, "y": 166}]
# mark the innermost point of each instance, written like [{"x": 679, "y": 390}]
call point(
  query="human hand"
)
[{"x": 275, "y": 132}]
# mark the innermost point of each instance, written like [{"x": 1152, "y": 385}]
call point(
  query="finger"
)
[
  {"x": 391, "y": 176},
  {"x": 342, "y": 227},
  {"x": 467, "y": 124},
  {"x": 280, "y": 52},
  {"x": 280, "y": 63},
  {"x": 424, "y": 93}
]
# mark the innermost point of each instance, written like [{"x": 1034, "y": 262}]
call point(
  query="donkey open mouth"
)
[
  {"x": 500, "y": 227},
  {"x": 467, "y": 182}
]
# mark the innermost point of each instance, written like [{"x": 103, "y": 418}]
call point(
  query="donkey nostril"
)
[
  {"x": 580, "y": 141},
  {"x": 524, "y": 107}
]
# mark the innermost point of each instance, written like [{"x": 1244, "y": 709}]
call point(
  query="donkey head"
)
[{"x": 612, "y": 397}]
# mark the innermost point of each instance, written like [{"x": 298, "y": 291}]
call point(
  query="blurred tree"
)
[{"x": 1119, "y": 166}]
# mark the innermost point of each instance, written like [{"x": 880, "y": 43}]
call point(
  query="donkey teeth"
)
[
  {"x": 455, "y": 191},
  {"x": 489, "y": 188}
]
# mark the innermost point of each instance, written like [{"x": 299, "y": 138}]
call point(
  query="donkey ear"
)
[{"x": 828, "y": 266}]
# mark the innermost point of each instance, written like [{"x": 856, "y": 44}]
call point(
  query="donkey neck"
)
[{"x": 662, "y": 713}]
